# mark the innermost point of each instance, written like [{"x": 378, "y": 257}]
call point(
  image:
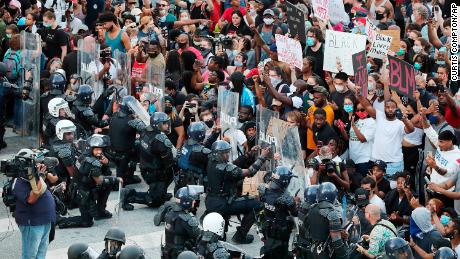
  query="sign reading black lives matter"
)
[{"x": 296, "y": 22}]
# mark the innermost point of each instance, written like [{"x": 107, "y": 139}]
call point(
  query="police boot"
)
[
  {"x": 132, "y": 179},
  {"x": 104, "y": 214},
  {"x": 242, "y": 238},
  {"x": 127, "y": 196}
]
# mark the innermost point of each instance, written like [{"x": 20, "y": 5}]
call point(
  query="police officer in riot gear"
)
[
  {"x": 302, "y": 244},
  {"x": 57, "y": 82},
  {"x": 114, "y": 240},
  {"x": 193, "y": 156},
  {"x": 209, "y": 246},
  {"x": 132, "y": 252},
  {"x": 123, "y": 129},
  {"x": 64, "y": 149},
  {"x": 324, "y": 223},
  {"x": 81, "y": 251},
  {"x": 445, "y": 253},
  {"x": 84, "y": 114},
  {"x": 93, "y": 187},
  {"x": 157, "y": 160},
  {"x": 398, "y": 248},
  {"x": 181, "y": 226},
  {"x": 279, "y": 208},
  {"x": 187, "y": 255},
  {"x": 223, "y": 177},
  {"x": 58, "y": 109}
]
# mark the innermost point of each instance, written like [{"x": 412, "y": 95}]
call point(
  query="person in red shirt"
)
[
  {"x": 227, "y": 15},
  {"x": 184, "y": 44}
]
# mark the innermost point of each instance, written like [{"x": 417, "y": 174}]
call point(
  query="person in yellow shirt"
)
[{"x": 320, "y": 101}]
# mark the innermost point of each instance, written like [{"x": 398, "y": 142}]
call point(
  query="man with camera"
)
[{"x": 35, "y": 211}]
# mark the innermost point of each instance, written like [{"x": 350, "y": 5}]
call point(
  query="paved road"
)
[{"x": 138, "y": 225}]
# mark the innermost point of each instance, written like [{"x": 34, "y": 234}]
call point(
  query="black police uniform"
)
[
  {"x": 322, "y": 219},
  {"x": 91, "y": 198},
  {"x": 277, "y": 225},
  {"x": 49, "y": 129},
  {"x": 86, "y": 118},
  {"x": 210, "y": 247},
  {"x": 123, "y": 129},
  {"x": 193, "y": 159},
  {"x": 181, "y": 232},
  {"x": 223, "y": 178},
  {"x": 302, "y": 244}
]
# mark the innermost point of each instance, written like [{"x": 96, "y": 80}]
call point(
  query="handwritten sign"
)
[
  {"x": 339, "y": 48},
  {"x": 360, "y": 68},
  {"x": 395, "y": 39},
  {"x": 320, "y": 9},
  {"x": 289, "y": 50},
  {"x": 296, "y": 21},
  {"x": 371, "y": 30},
  {"x": 402, "y": 77},
  {"x": 380, "y": 46},
  {"x": 337, "y": 12}
]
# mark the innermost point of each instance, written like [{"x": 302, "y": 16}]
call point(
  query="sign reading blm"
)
[{"x": 402, "y": 77}]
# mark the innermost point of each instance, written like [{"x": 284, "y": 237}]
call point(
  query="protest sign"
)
[
  {"x": 296, "y": 21},
  {"x": 380, "y": 46},
  {"x": 371, "y": 30},
  {"x": 339, "y": 47},
  {"x": 289, "y": 50},
  {"x": 395, "y": 39},
  {"x": 337, "y": 13},
  {"x": 320, "y": 9},
  {"x": 360, "y": 68},
  {"x": 402, "y": 77}
]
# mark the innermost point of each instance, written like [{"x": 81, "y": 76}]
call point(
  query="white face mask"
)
[
  {"x": 275, "y": 81},
  {"x": 417, "y": 49},
  {"x": 370, "y": 86},
  {"x": 268, "y": 21},
  {"x": 339, "y": 88}
]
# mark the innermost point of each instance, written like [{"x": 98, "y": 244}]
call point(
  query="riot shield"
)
[
  {"x": 139, "y": 110},
  {"x": 89, "y": 65},
  {"x": 156, "y": 84},
  {"x": 227, "y": 105},
  {"x": 288, "y": 146},
  {"x": 264, "y": 139},
  {"x": 122, "y": 65},
  {"x": 29, "y": 110}
]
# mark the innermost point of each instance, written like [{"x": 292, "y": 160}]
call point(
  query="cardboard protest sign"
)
[
  {"x": 371, "y": 30},
  {"x": 380, "y": 46},
  {"x": 337, "y": 12},
  {"x": 320, "y": 9},
  {"x": 360, "y": 68},
  {"x": 402, "y": 77},
  {"x": 395, "y": 39},
  {"x": 339, "y": 48},
  {"x": 289, "y": 50},
  {"x": 296, "y": 21}
]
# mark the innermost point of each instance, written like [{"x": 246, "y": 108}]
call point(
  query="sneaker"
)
[{"x": 103, "y": 215}]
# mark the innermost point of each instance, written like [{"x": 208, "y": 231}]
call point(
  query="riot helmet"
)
[
  {"x": 124, "y": 105},
  {"x": 445, "y": 253},
  {"x": 55, "y": 105},
  {"x": 58, "y": 82},
  {"x": 327, "y": 192},
  {"x": 398, "y": 248},
  {"x": 197, "y": 131},
  {"x": 85, "y": 94},
  {"x": 215, "y": 223},
  {"x": 282, "y": 177},
  {"x": 65, "y": 126},
  {"x": 98, "y": 140},
  {"x": 159, "y": 120},
  {"x": 132, "y": 252},
  {"x": 187, "y": 255},
  {"x": 81, "y": 251},
  {"x": 221, "y": 149},
  {"x": 188, "y": 194},
  {"x": 114, "y": 239},
  {"x": 310, "y": 194}
]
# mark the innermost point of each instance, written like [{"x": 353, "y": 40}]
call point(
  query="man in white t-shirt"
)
[{"x": 369, "y": 184}]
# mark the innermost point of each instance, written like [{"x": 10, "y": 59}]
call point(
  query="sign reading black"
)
[{"x": 296, "y": 22}]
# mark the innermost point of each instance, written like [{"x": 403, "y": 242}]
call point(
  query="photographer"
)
[{"x": 35, "y": 213}]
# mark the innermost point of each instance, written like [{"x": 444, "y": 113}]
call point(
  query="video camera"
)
[
  {"x": 25, "y": 159},
  {"x": 330, "y": 166}
]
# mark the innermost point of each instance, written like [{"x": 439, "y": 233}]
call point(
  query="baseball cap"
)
[
  {"x": 361, "y": 197},
  {"x": 380, "y": 164},
  {"x": 319, "y": 89},
  {"x": 269, "y": 11}
]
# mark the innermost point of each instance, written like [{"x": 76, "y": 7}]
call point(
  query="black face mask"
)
[
  {"x": 378, "y": 16},
  {"x": 411, "y": 41},
  {"x": 182, "y": 44},
  {"x": 152, "y": 54},
  {"x": 310, "y": 87},
  {"x": 209, "y": 123},
  {"x": 168, "y": 109}
]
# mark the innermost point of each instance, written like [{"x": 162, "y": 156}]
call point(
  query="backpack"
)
[{"x": 13, "y": 64}]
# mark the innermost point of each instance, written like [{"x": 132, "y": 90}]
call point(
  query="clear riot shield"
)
[
  {"x": 88, "y": 64},
  {"x": 122, "y": 65},
  {"x": 264, "y": 139},
  {"x": 29, "y": 111},
  {"x": 139, "y": 110},
  {"x": 227, "y": 105},
  {"x": 156, "y": 84},
  {"x": 289, "y": 148}
]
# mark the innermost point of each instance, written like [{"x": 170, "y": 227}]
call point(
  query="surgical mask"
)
[
  {"x": 268, "y": 21},
  {"x": 275, "y": 81},
  {"x": 339, "y": 88},
  {"x": 370, "y": 86},
  {"x": 46, "y": 25},
  {"x": 417, "y": 49},
  {"x": 369, "y": 67},
  {"x": 310, "y": 42},
  {"x": 417, "y": 66},
  {"x": 400, "y": 52},
  {"x": 238, "y": 63},
  {"x": 348, "y": 107},
  {"x": 361, "y": 115},
  {"x": 444, "y": 220},
  {"x": 379, "y": 92}
]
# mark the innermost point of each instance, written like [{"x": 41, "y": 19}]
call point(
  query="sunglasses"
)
[{"x": 162, "y": 5}]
